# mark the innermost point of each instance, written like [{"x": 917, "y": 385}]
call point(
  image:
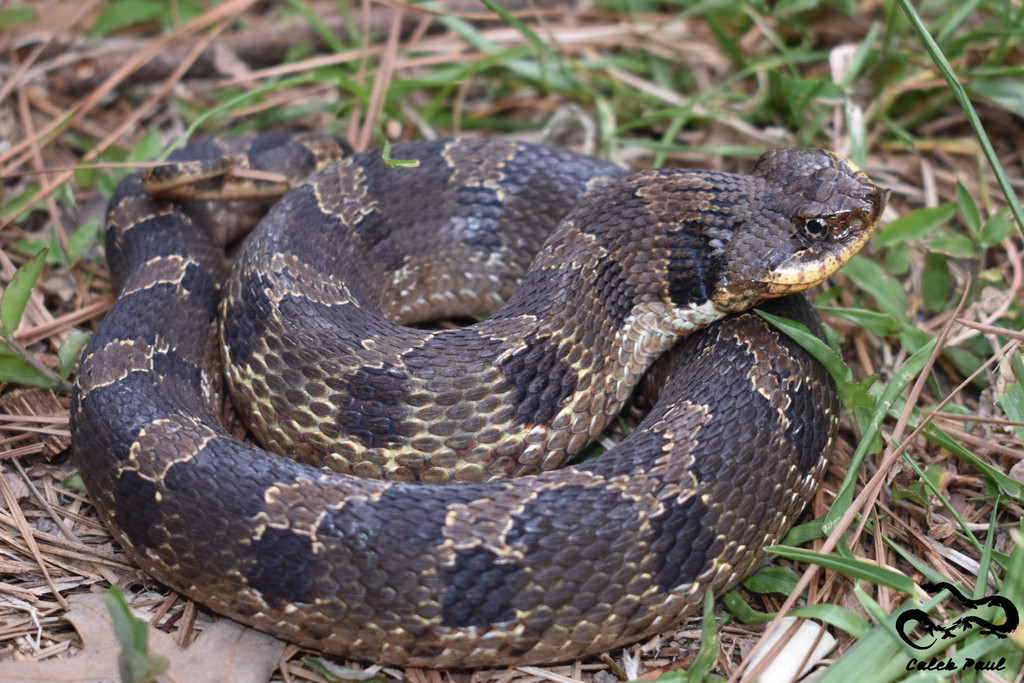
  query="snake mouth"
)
[{"x": 812, "y": 266}]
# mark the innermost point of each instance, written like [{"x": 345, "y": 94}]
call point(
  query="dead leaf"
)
[
  {"x": 19, "y": 489},
  {"x": 34, "y": 402},
  {"x": 225, "y": 651}
]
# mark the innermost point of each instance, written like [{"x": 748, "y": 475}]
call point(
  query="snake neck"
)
[{"x": 637, "y": 264}]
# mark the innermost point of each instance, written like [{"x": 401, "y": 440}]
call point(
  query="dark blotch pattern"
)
[
  {"x": 479, "y": 590},
  {"x": 540, "y": 379},
  {"x": 246, "y": 321},
  {"x": 158, "y": 236},
  {"x": 136, "y": 508},
  {"x": 198, "y": 475},
  {"x": 374, "y": 408},
  {"x": 683, "y": 540},
  {"x": 743, "y": 418},
  {"x": 410, "y": 523},
  {"x": 419, "y": 522},
  {"x": 160, "y": 301},
  {"x": 809, "y": 437},
  {"x": 587, "y": 543},
  {"x": 696, "y": 285},
  {"x": 616, "y": 303},
  {"x": 184, "y": 379},
  {"x": 280, "y": 569},
  {"x": 814, "y": 407},
  {"x": 484, "y": 208},
  {"x": 374, "y": 232}
]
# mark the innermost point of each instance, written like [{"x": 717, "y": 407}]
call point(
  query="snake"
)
[{"x": 417, "y": 495}]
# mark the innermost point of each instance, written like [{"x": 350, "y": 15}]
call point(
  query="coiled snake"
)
[{"x": 531, "y": 569}]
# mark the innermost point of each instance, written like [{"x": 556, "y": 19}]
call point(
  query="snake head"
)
[{"x": 817, "y": 210}]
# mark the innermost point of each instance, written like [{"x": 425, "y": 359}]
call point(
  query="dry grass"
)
[{"x": 646, "y": 88}]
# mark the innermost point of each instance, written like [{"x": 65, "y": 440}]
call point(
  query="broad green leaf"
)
[
  {"x": 915, "y": 492},
  {"x": 82, "y": 240},
  {"x": 913, "y": 338},
  {"x": 68, "y": 352},
  {"x": 16, "y": 370},
  {"x": 17, "y": 15},
  {"x": 124, "y": 13},
  {"x": 738, "y": 607},
  {"x": 707, "y": 655},
  {"x": 147, "y": 148},
  {"x": 1006, "y": 92},
  {"x": 952, "y": 243},
  {"x": 75, "y": 482},
  {"x": 814, "y": 346},
  {"x": 86, "y": 177},
  {"x": 187, "y": 11},
  {"x": 886, "y": 290},
  {"x": 898, "y": 259},
  {"x": 15, "y": 297},
  {"x": 803, "y": 533},
  {"x": 772, "y": 579},
  {"x": 135, "y": 663},
  {"x": 997, "y": 228},
  {"x": 837, "y": 616},
  {"x": 915, "y": 225},
  {"x": 968, "y": 209},
  {"x": 937, "y": 280},
  {"x": 13, "y": 207},
  {"x": 879, "y": 324},
  {"x": 125, "y": 625}
]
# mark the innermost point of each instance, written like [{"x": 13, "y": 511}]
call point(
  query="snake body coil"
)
[{"x": 531, "y": 569}]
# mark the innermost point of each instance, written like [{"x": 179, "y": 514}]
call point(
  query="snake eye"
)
[{"x": 816, "y": 228}]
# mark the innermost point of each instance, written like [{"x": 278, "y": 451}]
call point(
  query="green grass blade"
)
[
  {"x": 944, "y": 67},
  {"x": 857, "y": 569}
]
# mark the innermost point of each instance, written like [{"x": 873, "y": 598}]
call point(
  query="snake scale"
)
[{"x": 614, "y": 270}]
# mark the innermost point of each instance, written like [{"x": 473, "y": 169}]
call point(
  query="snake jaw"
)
[
  {"x": 812, "y": 266},
  {"x": 850, "y": 233}
]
